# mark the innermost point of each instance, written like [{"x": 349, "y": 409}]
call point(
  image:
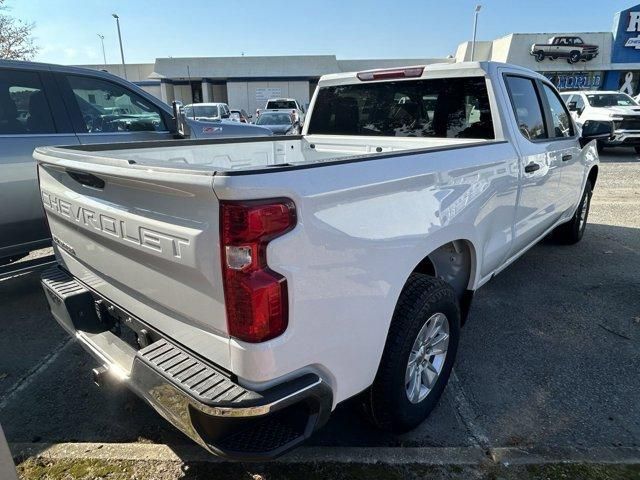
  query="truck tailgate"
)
[{"x": 146, "y": 239}]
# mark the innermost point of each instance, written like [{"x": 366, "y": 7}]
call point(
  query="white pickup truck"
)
[
  {"x": 617, "y": 107},
  {"x": 246, "y": 287}
]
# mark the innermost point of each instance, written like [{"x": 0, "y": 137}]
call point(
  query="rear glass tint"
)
[
  {"x": 281, "y": 104},
  {"x": 438, "y": 108}
]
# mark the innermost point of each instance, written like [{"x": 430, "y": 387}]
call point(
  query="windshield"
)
[
  {"x": 611, "y": 100},
  {"x": 210, "y": 111},
  {"x": 281, "y": 104},
  {"x": 274, "y": 119}
]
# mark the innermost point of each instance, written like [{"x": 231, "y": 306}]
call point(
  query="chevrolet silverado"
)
[{"x": 245, "y": 287}]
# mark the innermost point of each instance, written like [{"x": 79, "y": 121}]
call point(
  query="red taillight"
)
[
  {"x": 411, "y": 72},
  {"x": 255, "y": 296}
]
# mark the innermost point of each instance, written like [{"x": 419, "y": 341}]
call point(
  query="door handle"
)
[
  {"x": 566, "y": 158},
  {"x": 532, "y": 167}
]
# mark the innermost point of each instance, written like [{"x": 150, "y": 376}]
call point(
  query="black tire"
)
[
  {"x": 574, "y": 57},
  {"x": 386, "y": 402},
  {"x": 539, "y": 55},
  {"x": 573, "y": 231}
]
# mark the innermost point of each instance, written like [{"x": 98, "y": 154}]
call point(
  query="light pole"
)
[
  {"x": 475, "y": 27},
  {"x": 120, "y": 40},
  {"x": 104, "y": 55}
]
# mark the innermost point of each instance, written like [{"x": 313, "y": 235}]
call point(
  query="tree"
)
[{"x": 16, "y": 41}]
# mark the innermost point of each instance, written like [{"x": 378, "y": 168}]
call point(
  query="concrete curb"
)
[{"x": 462, "y": 456}]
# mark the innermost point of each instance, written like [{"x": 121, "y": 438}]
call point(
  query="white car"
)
[
  {"x": 207, "y": 112},
  {"x": 613, "y": 106},
  {"x": 288, "y": 105},
  {"x": 246, "y": 287}
]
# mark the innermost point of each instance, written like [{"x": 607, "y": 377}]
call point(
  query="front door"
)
[{"x": 107, "y": 112}]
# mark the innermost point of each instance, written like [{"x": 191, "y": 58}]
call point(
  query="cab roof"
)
[{"x": 434, "y": 70}]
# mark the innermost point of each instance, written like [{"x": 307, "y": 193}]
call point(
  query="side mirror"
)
[
  {"x": 572, "y": 106},
  {"x": 225, "y": 115},
  {"x": 596, "y": 130},
  {"x": 183, "y": 130},
  {"x": 250, "y": 117}
]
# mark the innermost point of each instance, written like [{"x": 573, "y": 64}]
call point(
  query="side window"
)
[
  {"x": 579, "y": 104},
  {"x": 24, "y": 107},
  {"x": 109, "y": 107},
  {"x": 562, "y": 126},
  {"x": 526, "y": 106}
]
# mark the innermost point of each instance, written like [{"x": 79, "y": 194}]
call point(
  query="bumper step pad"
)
[
  {"x": 235, "y": 422},
  {"x": 199, "y": 380}
]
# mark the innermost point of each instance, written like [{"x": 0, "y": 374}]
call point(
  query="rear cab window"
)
[
  {"x": 436, "y": 108},
  {"x": 281, "y": 104}
]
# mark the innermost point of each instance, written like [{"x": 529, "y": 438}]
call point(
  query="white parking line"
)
[
  {"x": 28, "y": 378},
  {"x": 466, "y": 412}
]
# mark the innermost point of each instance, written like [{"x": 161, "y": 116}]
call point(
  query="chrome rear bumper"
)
[{"x": 199, "y": 398}]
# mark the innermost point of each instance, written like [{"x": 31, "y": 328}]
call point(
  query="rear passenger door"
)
[
  {"x": 103, "y": 111},
  {"x": 540, "y": 199},
  {"x": 31, "y": 115}
]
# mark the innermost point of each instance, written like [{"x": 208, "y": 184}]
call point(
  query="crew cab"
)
[
  {"x": 244, "y": 288},
  {"x": 570, "y": 47},
  {"x": 44, "y": 104},
  {"x": 613, "y": 106}
]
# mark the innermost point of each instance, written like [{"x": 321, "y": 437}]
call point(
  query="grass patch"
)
[{"x": 86, "y": 469}]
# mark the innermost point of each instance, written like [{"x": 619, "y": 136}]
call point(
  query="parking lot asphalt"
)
[{"x": 550, "y": 354}]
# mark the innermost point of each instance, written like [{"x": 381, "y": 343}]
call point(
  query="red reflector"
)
[
  {"x": 389, "y": 74},
  {"x": 255, "y": 296}
]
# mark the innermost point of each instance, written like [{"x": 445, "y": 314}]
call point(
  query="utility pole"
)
[
  {"x": 475, "y": 28},
  {"x": 104, "y": 55},
  {"x": 124, "y": 67}
]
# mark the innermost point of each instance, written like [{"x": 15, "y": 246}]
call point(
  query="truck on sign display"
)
[
  {"x": 244, "y": 288},
  {"x": 570, "y": 47}
]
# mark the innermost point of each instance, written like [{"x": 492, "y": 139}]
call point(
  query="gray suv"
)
[{"x": 43, "y": 104}]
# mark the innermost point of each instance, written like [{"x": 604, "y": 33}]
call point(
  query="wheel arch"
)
[
  {"x": 592, "y": 176},
  {"x": 455, "y": 262}
]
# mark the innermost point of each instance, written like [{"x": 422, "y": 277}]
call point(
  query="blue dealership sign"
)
[{"x": 626, "y": 36}]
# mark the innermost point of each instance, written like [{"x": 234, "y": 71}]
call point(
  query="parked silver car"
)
[{"x": 42, "y": 104}]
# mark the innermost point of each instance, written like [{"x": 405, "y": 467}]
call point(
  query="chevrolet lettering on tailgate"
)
[{"x": 163, "y": 243}]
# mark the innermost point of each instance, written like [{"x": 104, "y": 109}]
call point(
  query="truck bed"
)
[{"x": 256, "y": 153}]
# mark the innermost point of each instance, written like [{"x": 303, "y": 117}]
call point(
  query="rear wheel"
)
[
  {"x": 573, "y": 231},
  {"x": 574, "y": 57},
  {"x": 418, "y": 356},
  {"x": 539, "y": 56}
]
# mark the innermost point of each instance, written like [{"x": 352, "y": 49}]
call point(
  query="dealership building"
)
[{"x": 571, "y": 60}]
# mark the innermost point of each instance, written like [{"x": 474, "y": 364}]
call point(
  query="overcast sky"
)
[{"x": 67, "y": 30}]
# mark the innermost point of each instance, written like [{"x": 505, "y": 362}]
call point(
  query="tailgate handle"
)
[{"x": 87, "y": 179}]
